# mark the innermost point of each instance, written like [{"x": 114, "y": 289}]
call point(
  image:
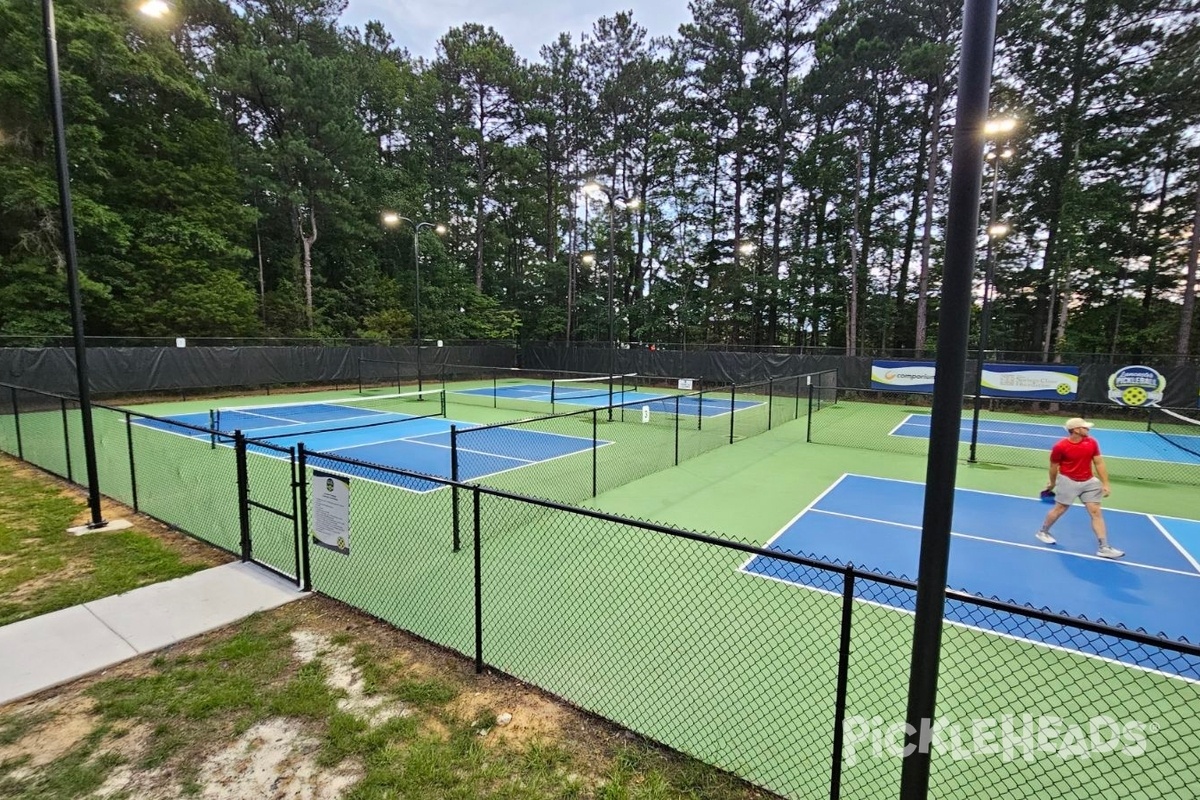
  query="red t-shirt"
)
[{"x": 1074, "y": 459}]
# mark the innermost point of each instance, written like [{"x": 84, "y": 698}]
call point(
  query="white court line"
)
[
  {"x": 978, "y": 629},
  {"x": 1039, "y": 548},
  {"x": 1176, "y": 544},
  {"x": 792, "y": 521}
]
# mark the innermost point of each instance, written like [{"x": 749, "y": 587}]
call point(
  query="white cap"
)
[{"x": 1076, "y": 422}]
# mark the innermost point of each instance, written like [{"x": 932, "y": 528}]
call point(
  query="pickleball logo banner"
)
[{"x": 1136, "y": 386}]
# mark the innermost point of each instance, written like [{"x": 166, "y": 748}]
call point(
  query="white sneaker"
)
[
  {"x": 1108, "y": 551},
  {"x": 1044, "y": 536}
]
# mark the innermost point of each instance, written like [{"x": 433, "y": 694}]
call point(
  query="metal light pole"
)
[
  {"x": 592, "y": 187},
  {"x": 994, "y": 231},
  {"x": 68, "y": 236},
  {"x": 392, "y": 219}
]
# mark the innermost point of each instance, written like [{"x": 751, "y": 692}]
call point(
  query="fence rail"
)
[{"x": 785, "y": 670}]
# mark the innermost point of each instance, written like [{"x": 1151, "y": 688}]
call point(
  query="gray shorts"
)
[{"x": 1066, "y": 490}]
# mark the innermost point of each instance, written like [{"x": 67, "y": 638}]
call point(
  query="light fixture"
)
[{"x": 156, "y": 9}]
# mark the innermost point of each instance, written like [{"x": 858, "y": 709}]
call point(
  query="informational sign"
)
[
  {"x": 685, "y": 384},
  {"x": 180, "y": 341},
  {"x": 1030, "y": 382},
  {"x": 331, "y": 511},
  {"x": 1136, "y": 386},
  {"x": 902, "y": 376},
  {"x": 645, "y": 414}
]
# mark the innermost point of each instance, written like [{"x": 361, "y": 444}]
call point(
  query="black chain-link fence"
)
[
  {"x": 786, "y": 671},
  {"x": 1137, "y": 443}
]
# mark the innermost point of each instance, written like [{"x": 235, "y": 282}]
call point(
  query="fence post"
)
[
  {"x": 732, "y": 406},
  {"x": 302, "y": 516},
  {"x": 17, "y": 422},
  {"x": 839, "y": 713},
  {"x": 295, "y": 517},
  {"x": 132, "y": 460},
  {"x": 478, "y": 588},
  {"x": 66, "y": 437},
  {"x": 454, "y": 488},
  {"x": 595, "y": 449},
  {"x": 243, "y": 487}
]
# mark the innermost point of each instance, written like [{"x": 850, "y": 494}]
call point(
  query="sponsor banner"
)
[
  {"x": 902, "y": 376},
  {"x": 1029, "y": 382},
  {"x": 1136, "y": 386}
]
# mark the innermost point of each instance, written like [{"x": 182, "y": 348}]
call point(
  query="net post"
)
[
  {"x": 798, "y": 395},
  {"x": 770, "y": 400},
  {"x": 132, "y": 462},
  {"x": 243, "y": 491},
  {"x": 360, "y": 377},
  {"x": 301, "y": 495},
  {"x": 478, "y": 586},
  {"x": 610, "y": 396},
  {"x": 213, "y": 421},
  {"x": 66, "y": 437},
  {"x": 442, "y": 401},
  {"x": 16, "y": 406},
  {"x": 732, "y": 406},
  {"x": 808, "y": 434},
  {"x": 700, "y": 411},
  {"x": 677, "y": 430},
  {"x": 495, "y": 391},
  {"x": 454, "y": 488},
  {"x": 595, "y": 448},
  {"x": 843, "y": 671}
]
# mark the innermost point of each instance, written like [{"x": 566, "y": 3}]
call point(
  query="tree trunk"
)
[
  {"x": 306, "y": 241},
  {"x": 927, "y": 234},
  {"x": 855, "y": 238},
  {"x": 1189, "y": 288}
]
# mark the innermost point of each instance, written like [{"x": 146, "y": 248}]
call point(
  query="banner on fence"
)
[
  {"x": 331, "y": 511},
  {"x": 904, "y": 376},
  {"x": 1029, "y": 382},
  {"x": 1136, "y": 386}
]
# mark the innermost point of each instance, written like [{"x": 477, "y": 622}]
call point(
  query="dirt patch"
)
[
  {"x": 71, "y": 571},
  {"x": 533, "y": 717},
  {"x": 341, "y": 675},
  {"x": 69, "y": 720}
]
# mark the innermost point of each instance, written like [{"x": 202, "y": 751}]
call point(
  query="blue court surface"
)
[
  {"x": 1114, "y": 443},
  {"x": 875, "y": 524},
  {"x": 411, "y": 443},
  {"x": 714, "y": 405}
]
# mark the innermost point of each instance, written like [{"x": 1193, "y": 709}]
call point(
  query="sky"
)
[{"x": 524, "y": 24}]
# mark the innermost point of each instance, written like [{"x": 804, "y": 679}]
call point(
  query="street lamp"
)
[
  {"x": 392, "y": 219},
  {"x": 995, "y": 230},
  {"x": 595, "y": 188},
  {"x": 66, "y": 212}
]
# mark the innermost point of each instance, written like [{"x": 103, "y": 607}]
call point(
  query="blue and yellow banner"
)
[{"x": 1030, "y": 382}]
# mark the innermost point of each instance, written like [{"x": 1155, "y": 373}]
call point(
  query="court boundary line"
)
[
  {"x": 1167, "y": 535},
  {"x": 1107, "y": 456},
  {"x": 1039, "y": 548},
  {"x": 978, "y": 629},
  {"x": 997, "y": 494}
]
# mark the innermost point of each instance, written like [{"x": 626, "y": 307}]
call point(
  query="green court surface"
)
[{"x": 665, "y": 635}]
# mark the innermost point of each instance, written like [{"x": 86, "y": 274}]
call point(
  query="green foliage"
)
[{"x": 228, "y": 174}]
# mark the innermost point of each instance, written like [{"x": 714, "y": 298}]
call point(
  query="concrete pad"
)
[
  {"x": 155, "y": 616},
  {"x": 107, "y": 527},
  {"x": 54, "y": 648}
]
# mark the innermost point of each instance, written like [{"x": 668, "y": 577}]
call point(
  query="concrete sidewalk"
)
[{"x": 55, "y": 648}]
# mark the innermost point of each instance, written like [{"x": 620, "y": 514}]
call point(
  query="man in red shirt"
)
[{"x": 1071, "y": 462}]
